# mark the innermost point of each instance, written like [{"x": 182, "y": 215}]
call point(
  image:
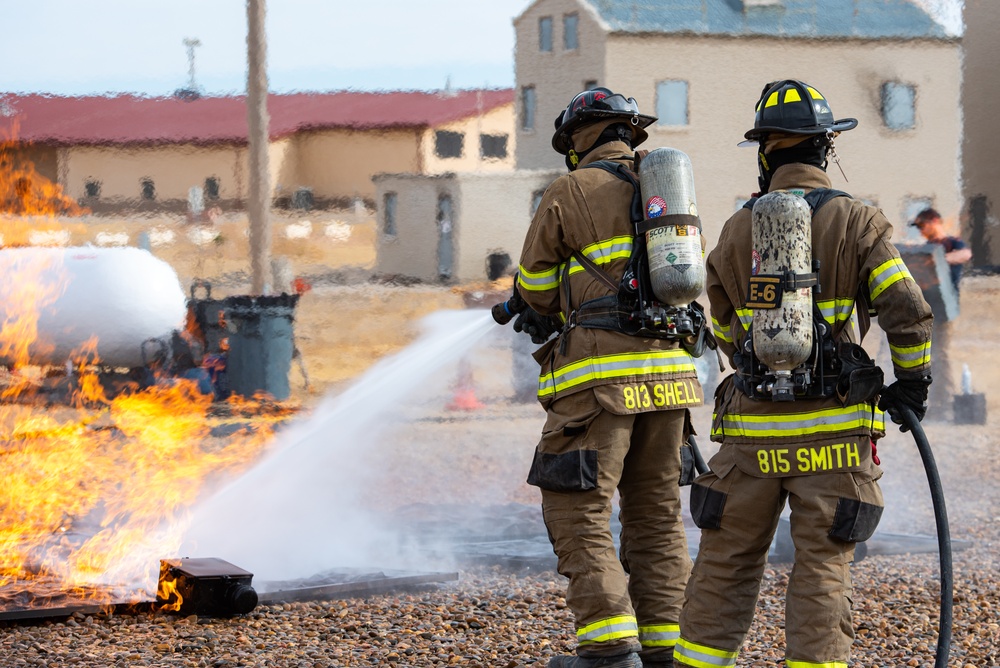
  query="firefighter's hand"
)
[
  {"x": 539, "y": 327},
  {"x": 516, "y": 301},
  {"x": 909, "y": 391}
]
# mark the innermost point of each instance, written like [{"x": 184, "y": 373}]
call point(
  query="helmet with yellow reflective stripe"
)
[{"x": 795, "y": 108}]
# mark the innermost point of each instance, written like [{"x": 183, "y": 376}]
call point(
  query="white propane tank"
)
[
  {"x": 782, "y": 241},
  {"x": 121, "y": 297},
  {"x": 673, "y": 246}
]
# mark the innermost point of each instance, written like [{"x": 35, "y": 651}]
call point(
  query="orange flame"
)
[
  {"x": 97, "y": 490},
  {"x": 25, "y": 192}
]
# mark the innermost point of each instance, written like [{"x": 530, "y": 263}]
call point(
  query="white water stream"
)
[{"x": 295, "y": 514}]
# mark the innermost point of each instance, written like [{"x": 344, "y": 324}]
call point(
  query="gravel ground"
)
[{"x": 494, "y": 618}]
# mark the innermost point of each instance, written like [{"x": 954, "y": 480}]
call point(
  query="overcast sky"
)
[{"x": 76, "y": 47}]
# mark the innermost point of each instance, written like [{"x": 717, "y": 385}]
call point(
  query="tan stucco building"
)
[
  {"x": 148, "y": 153},
  {"x": 981, "y": 143},
  {"x": 455, "y": 227},
  {"x": 700, "y": 67}
]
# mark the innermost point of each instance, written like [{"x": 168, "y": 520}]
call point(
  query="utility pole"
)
[{"x": 259, "y": 190}]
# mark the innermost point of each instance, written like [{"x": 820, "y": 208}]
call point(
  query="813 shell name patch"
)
[{"x": 660, "y": 395}]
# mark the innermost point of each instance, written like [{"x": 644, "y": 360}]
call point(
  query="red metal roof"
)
[{"x": 126, "y": 119}]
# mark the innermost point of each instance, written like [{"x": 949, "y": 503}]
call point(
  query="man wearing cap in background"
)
[
  {"x": 775, "y": 451},
  {"x": 595, "y": 441},
  {"x": 956, "y": 254}
]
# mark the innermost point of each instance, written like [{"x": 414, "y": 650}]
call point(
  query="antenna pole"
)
[{"x": 190, "y": 43}]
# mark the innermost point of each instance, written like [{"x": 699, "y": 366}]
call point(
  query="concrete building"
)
[
  {"x": 455, "y": 227},
  {"x": 700, "y": 66},
  {"x": 981, "y": 142},
  {"x": 148, "y": 153}
]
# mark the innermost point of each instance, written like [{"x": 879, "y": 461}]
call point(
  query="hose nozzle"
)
[{"x": 503, "y": 313}]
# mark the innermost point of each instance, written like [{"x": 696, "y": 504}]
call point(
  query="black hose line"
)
[{"x": 943, "y": 534}]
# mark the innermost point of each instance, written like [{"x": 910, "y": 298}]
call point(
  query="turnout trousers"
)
[
  {"x": 631, "y": 603},
  {"x": 738, "y": 525}
]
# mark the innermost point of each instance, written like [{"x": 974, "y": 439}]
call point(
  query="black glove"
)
[
  {"x": 538, "y": 327},
  {"x": 908, "y": 391}
]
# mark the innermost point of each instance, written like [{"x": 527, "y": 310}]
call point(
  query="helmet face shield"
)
[{"x": 617, "y": 102}]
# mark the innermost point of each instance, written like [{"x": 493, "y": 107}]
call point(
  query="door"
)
[{"x": 446, "y": 243}]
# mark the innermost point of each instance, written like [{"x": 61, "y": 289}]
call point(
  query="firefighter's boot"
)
[{"x": 628, "y": 660}]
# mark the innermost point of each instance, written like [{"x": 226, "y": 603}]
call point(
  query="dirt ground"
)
[{"x": 347, "y": 321}]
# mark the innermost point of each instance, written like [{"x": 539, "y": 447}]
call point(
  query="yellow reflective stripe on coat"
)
[
  {"x": 687, "y": 653},
  {"x": 801, "y": 424},
  {"x": 884, "y": 275},
  {"x": 908, "y": 357},
  {"x": 722, "y": 332},
  {"x": 813, "y": 664},
  {"x": 538, "y": 280},
  {"x": 612, "y": 628},
  {"x": 746, "y": 317},
  {"x": 835, "y": 310},
  {"x": 603, "y": 252},
  {"x": 620, "y": 365},
  {"x": 659, "y": 635}
]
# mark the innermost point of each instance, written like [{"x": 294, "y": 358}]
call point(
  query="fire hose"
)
[{"x": 943, "y": 534}]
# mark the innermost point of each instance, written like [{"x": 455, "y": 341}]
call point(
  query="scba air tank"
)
[
  {"x": 673, "y": 236},
  {"x": 782, "y": 243}
]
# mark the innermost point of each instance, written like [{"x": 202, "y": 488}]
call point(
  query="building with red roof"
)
[{"x": 119, "y": 151}]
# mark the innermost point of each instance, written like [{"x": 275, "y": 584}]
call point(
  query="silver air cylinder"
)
[
  {"x": 673, "y": 246},
  {"x": 782, "y": 242}
]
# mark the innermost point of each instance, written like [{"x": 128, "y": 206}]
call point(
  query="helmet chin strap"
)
[
  {"x": 572, "y": 160},
  {"x": 816, "y": 152},
  {"x": 764, "y": 172},
  {"x": 617, "y": 132}
]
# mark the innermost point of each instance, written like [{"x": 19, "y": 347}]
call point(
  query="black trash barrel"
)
[{"x": 261, "y": 344}]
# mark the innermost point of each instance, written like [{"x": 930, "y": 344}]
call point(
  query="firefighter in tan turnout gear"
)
[
  {"x": 801, "y": 432},
  {"x": 616, "y": 402}
]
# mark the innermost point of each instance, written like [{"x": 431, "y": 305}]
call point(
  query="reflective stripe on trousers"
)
[
  {"x": 607, "y": 630},
  {"x": 688, "y": 653},
  {"x": 659, "y": 635}
]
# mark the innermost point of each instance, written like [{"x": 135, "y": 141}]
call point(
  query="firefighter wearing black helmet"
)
[
  {"x": 816, "y": 451},
  {"x": 615, "y": 403}
]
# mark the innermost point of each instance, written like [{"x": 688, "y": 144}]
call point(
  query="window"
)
[
  {"x": 212, "y": 188},
  {"x": 92, "y": 189},
  {"x": 493, "y": 146},
  {"x": 672, "y": 102},
  {"x": 528, "y": 108},
  {"x": 570, "y": 38},
  {"x": 898, "y": 105},
  {"x": 448, "y": 144},
  {"x": 148, "y": 189},
  {"x": 590, "y": 84},
  {"x": 498, "y": 265},
  {"x": 389, "y": 215},
  {"x": 545, "y": 33},
  {"x": 912, "y": 205}
]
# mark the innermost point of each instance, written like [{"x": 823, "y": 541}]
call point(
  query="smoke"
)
[{"x": 302, "y": 509}]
